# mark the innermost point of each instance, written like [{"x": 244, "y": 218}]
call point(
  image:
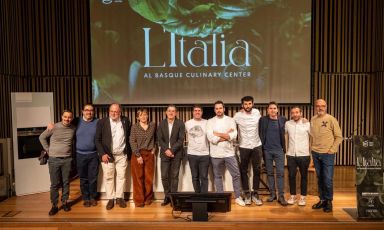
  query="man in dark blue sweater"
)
[
  {"x": 87, "y": 158},
  {"x": 271, "y": 132}
]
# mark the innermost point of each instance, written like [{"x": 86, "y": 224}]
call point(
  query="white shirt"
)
[
  {"x": 197, "y": 137},
  {"x": 248, "y": 124},
  {"x": 298, "y": 133},
  {"x": 221, "y": 125},
  {"x": 118, "y": 137},
  {"x": 170, "y": 126}
]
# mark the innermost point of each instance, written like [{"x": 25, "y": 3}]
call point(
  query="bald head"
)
[
  {"x": 115, "y": 111},
  {"x": 321, "y": 107},
  {"x": 322, "y": 101}
]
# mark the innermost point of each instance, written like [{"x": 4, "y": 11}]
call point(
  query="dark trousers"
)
[
  {"x": 276, "y": 156},
  {"x": 253, "y": 156},
  {"x": 59, "y": 169},
  {"x": 324, "y": 166},
  {"x": 199, "y": 170},
  {"x": 170, "y": 168},
  {"x": 302, "y": 163},
  {"x": 142, "y": 178},
  {"x": 88, "y": 169}
]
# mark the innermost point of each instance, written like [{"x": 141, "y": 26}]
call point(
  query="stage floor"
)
[{"x": 32, "y": 212}]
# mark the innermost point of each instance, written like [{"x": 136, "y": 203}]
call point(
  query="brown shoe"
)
[
  {"x": 111, "y": 204},
  {"x": 121, "y": 202},
  {"x": 87, "y": 203},
  {"x": 148, "y": 202},
  {"x": 93, "y": 202}
]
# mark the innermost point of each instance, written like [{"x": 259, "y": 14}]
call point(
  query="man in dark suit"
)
[
  {"x": 112, "y": 143},
  {"x": 170, "y": 135}
]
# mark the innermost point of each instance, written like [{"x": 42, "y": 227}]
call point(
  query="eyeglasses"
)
[{"x": 88, "y": 110}]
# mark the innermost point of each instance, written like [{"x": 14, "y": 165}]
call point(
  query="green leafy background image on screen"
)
[{"x": 195, "y": 51}]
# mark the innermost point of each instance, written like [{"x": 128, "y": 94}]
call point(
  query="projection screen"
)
[{"x": 150, "y": 52}]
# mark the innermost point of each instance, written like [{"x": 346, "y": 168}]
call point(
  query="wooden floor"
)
[{"x": 31, "y": 212}]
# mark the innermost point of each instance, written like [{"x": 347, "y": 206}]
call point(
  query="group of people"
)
[{"x": 114, "y": 141}]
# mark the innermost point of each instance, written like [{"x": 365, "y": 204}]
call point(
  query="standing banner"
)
[{"x": 369, "y": 176}]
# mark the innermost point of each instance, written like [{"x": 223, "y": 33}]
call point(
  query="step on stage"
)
[{"x": 31, "y": 212}]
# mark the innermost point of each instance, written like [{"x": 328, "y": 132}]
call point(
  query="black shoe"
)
[
  {"x": 110, "y": 204},
  {"x": 121, "y": 202},
  {"x": 271, "y": 198},
  {"x": 87, "y": 203},
  {"x": 282, "y": 201},
  {"x": 166, "y": 201},
  {"x": 66, "y": 207},
  {"x": 318, "y": 205},
  {"x": 53, "y": 211},
  {"x": 327, "y": 207}
]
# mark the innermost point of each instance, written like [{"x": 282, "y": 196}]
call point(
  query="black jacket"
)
[
  {"x": 103, "y": 137},
  {"x": 177, "y": 137},
  {"x": 263, "y": 129}
]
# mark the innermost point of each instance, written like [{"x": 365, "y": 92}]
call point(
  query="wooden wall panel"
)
[
  {"x": 45, "y": 47},
  {"x": 45, "y": 38}
]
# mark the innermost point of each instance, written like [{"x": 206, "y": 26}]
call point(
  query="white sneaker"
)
[
  {"x": 302, "y": 201},
  {"x": 257, "y": 200},
  {"x": 292, "y": 199},
  {"x": 248, "y": 201},
  {"x": 240, "y": 201}
]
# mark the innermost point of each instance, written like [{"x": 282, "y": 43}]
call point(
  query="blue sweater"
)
[
  {"x": 85, "y": 136},
  {"x": 264, "y": 122}
]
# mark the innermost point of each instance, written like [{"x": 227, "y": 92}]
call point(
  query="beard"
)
[{"x": 247, "y": 109}]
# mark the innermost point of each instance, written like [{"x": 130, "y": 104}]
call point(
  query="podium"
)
[{"x": 368, "y": 151}]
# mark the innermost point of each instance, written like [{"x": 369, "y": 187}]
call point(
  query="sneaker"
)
[
  {"x": 248, "y": 200},
  {"x": 292, "y": 199},
  {"x": 257, "y": 200},
  {"x": 53, "y": 211},
  {"x": 240, "y": 201},
  {"x": 302, "y": 201}
]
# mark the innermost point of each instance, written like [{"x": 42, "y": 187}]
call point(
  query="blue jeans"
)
[
  {"x": 278, "y": 157},
  {"x": 324, "y": 166},
  {"x": 88, "y": 169}
]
